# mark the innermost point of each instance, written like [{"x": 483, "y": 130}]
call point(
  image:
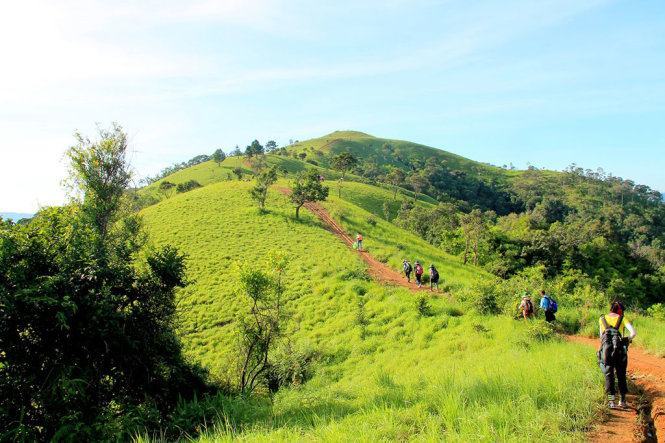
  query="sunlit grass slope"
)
[
  {"x": 360, "y": 209},
  {"x": 400, "y": 152},
  {"x": 394, "y": 375}
]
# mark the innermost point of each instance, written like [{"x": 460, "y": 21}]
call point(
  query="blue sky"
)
[{"x": 546, "y": 83}]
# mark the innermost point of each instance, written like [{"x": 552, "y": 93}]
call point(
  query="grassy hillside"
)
[
  {"x": 398, "y": 153},
  {"x": 380, "y": 369}
]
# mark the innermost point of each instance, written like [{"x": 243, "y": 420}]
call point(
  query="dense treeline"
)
[{"x": 588, "y": 228}]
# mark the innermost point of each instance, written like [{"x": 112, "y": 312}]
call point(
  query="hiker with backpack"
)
[
  {"x": 526, "y": 307},
  {"x": 419, "y": 274},
  {"x": 613, "y": 352},
  {"x": 407, "y": 270},
  {"x": 433, "y": 277},
  {"x": 549, "y": 305},
  {"x": 359, "y": 241}
]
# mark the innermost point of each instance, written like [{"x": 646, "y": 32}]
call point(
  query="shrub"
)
[
  {"x": 187, "y": 186},
  {"x": 371, "y": 220},
  {"x": 657, "y": 311},
  {"x": 423, "y": 307},
  {"x": 355, "y": 274}
]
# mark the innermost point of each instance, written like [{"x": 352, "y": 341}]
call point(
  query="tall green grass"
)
[{"x": 382, "y": 369}]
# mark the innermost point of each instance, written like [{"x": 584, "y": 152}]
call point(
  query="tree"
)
[
  {"x": 271, "y": 145},
  {"x": 99, "y": 171},
  {"x": 261, "y": 330},
  {"x": 237, "y": 171},
  {"x": 473, "y": 227},
  {"x": 218, "y": 156},
  {"x": 419, "y": 183},
  {"x": 396, "y": 178},
  {"x": 307, "y": 187},
  {"x": 263, "y": 182},
  {"x": 254, "y": 150},
  {"x": 167, "y": 188},
  {"x": 236, "y": 152},
  {"x": 343, "y": 163},
  {"x": 88, "y": 314}
]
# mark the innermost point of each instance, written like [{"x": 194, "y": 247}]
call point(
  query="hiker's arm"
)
[{"x": 630, "y": 328}]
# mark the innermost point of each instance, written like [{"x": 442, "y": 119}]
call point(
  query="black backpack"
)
[
  {"x": 612, "y": 350},
  {"x": 435, "y": 274}
]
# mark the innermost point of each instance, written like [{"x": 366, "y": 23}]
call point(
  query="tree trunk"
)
[
  {"x": 475, "y": 252},
  {"x": 466, "y": 250},
  {"x": 395, "y": 192},
  {"x": 298, "y": 212}
]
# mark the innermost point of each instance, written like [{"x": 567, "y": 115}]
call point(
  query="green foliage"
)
[
  {"x": 100, "y": 172},
  {"x": 423, "y": 307},
  {"x": 88, "y": 314},
  {"x": 264, "y": 180},
  {"x": 260, "y": 327},
  {"x": 307, "y": 187},
  {"x": 167, "y": 188},
  {"x": 187, "y": 186},
  {"x": 218, "y": 156},
  {"x": 657, "y": 311}
]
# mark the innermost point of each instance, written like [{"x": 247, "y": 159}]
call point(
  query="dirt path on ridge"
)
[
  {"x": 645, "y": 370},
  {"x": 379, "y": 271},
  {"x": 648, "y": 373}
]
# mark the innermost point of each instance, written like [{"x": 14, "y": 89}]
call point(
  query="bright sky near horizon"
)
[{"x": 548, "y": 83}]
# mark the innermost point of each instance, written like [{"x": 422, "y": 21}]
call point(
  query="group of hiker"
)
[
  {"x": 613, "y": 352},
  {"x": 418, "y": 271},
  {"x": 547, "y": 304}
]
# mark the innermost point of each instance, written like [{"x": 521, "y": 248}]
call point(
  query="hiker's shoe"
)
[
  {"x": 623, "y": 404},
  {"x": 611, "y": 404}
]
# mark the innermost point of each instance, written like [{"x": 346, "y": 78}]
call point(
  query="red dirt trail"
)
[
  {"x": 645, "y": 370},
  {"x": 378, "y": 270}
]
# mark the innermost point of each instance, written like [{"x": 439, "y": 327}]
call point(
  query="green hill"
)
[
  {"x": 378, "y": 361},
  {"x": 379, "y": 369},
  {"x": 398, "y": 153}
]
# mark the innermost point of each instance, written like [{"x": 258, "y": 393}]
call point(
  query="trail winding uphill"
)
[
  {"x": 643, "y": 421},
  {"x": 378, "y": 270}
]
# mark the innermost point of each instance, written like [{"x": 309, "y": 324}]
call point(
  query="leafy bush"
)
[
  {"x": 187, "y": 186},
  {"x": 371, "y": 220},
  {"x": 657, "y": 311},
  {"x": 423, "y": 307}
]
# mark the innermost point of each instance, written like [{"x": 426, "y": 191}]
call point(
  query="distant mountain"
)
[{"x": 15, "y": 216}]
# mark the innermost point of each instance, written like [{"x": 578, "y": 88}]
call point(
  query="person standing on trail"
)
[
  {"x": 419, "y": 274},
  {"x": 549, "y": 305},
  {"x": 407, "y": 270},
  {"x": 433, "y": 277},
  {"x": 526, "y": 307},
  {"x": 613, "y": 352},
  {"x": 359, "y": 241}
]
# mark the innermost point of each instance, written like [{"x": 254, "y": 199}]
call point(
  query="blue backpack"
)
[{"x": 552, "y": 305}]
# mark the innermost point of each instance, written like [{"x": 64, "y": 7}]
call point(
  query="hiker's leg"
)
[
  {"x": 621, "y": 379},
  {"x": 610, "y": 390}
]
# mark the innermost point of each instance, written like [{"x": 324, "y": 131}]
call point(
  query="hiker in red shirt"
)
[
  {"x": 359, "y": 240},
  {"x": 419, "y": 274}
]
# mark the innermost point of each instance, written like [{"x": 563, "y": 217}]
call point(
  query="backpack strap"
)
[{"x": 604, "y": 322}]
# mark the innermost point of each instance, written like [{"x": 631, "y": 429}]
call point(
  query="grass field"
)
[{"x": 396, "y": 374}]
